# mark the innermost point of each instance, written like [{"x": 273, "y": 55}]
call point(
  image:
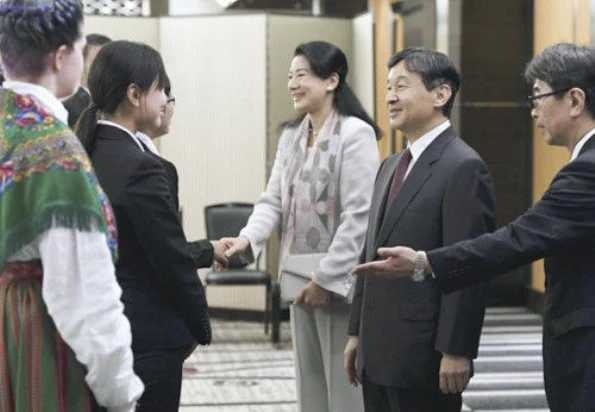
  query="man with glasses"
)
[
  {"x": 414, "y": 346},
  {"x": 560, "y": 228}
]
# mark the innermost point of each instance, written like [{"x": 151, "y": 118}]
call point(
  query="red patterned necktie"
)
[{"x": 399, "y": 176}]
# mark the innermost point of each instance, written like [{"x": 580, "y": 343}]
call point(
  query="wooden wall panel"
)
[{"x": 383, "y": 38}]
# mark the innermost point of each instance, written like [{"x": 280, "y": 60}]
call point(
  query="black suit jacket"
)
[
  {"x": 403, "y": 326},
  {"x": 162, "y": 294},
  {"x": 76, "y": 104},
  {"x": 201, "y": 250},
  {"x": 561, "y": 228}
]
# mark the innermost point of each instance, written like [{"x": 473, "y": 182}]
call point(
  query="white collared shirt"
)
[
  {"x": 417, "y": 148},
  {"x": 147, "y": 142},
  {"x": 581, "y": 143},
  {"x": 41, "y": 95},
  {"x": 132, "y": 135}
]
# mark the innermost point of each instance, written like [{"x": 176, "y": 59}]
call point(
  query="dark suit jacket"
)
[
  {"x": 76, "y": 104},
  {"x": 162, "y": 294},
  {"x": 403, "y": 326},
  {"x": 561, "y": 228},
  {"x": 201, "y": 250}
]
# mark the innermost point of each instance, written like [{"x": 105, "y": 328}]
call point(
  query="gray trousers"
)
[{"x": 319, "y": 339}]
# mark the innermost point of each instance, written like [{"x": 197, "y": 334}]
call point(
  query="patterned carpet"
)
[{"x": 243, "y": 372}]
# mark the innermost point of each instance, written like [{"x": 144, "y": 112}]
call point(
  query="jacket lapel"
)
[
  {"x": 385, "y": 180},
  {"x": 589, "y": 145},
  {"x": 418, "y": 175},
  {"x": 109, "y": 132}
]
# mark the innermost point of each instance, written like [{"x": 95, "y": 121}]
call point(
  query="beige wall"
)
[
  {"x": 363, "y": 60},
  {"x": 145, "y": 29},
  {"x": 555, "y": 21},
  {"x": 217, "y": 138}
]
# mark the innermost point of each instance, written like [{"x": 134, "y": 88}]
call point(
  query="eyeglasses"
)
[
  {"x": 530, "y": 101},
  {"x": 171, "y": 100}
]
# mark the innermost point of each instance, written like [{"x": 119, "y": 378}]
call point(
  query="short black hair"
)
[
  {"x": 32, "y": 29},
  {"x": 95, "y": 39},
  {"x": 564, "y": 66},
  {"x": 435, "y": 69}
]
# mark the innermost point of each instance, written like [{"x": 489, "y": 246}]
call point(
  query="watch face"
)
[{"x": 418, "y": 276}]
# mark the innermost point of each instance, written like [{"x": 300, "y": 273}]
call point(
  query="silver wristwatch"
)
[{"x": 419, "y": 271}]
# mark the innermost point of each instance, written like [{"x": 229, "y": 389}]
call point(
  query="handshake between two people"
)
[
  {"x": 227, "y": 247},
  {"x": 311, "y": 295}
]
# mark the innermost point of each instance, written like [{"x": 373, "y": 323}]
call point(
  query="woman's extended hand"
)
[{"x": 235, "y": 245}]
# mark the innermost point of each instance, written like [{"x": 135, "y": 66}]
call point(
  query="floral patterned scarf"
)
[
  {"x": 46, "y": 178},
  {"x": 309, "y": 188}
]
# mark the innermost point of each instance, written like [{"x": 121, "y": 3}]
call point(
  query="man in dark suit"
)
[
  {"x": 81, "y": 99},
  {"x": 413, "y": 345},
  {"x": 560, "y": 227}
]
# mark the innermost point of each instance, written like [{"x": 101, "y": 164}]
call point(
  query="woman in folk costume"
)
[
  {"x": 320, "y": 189},
  {"x": 64, "y": 340}
]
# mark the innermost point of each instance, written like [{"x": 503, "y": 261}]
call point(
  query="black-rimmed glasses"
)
[{"x": 530, "y": 100}]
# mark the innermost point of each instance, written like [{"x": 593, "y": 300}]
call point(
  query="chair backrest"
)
[{"x": 226, "y": 220}]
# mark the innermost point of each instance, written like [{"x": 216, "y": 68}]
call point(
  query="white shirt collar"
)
[
  {"x": 41, "y": 95},
  {"x": 417, "y": 148},
  {"x": 117, "y": 126},
  {"x": 147, "y": 142},
  {"x": 581, "y": 143}
]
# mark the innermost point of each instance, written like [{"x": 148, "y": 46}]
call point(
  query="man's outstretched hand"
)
[{"x": 397, "y": 262}]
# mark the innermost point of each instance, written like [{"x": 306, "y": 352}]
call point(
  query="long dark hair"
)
[
  {"x": 325, "y": 59},
  {"x": 32, "y": 29},
  {"x": 118, "y": 65}
]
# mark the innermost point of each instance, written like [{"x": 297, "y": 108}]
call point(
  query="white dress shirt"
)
[
  {"x": 135, "y": 138},
  {"x": 581, "y": 143},
  {"x": 82, "y": 295},
  {"x": 417, "y": 148},
  {"x": 147, "y": 142}
]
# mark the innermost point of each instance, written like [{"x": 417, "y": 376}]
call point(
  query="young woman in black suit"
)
[{"x": 162, "y": 294}]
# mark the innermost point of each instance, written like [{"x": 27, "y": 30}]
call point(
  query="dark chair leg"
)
[
  {"x": 275, "y": 311},
  {"x": 267, "y": 308}
]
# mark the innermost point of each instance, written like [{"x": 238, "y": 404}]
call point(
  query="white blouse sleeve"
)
[
  {"x": 359, "y": 165},
  {"x": 267, "y": 211},
  {"x": 83, "y": 298}
]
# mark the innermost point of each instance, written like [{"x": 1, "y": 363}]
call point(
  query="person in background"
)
[
  {"x": 64, "y": 339},
  {"x": 197, "y": 247},
  {"x": 78, "y": 102},
  {"x": 560, "y": 228},
  {"x": 320, "y": 189},
  {"x": 162, "y": 294}
]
